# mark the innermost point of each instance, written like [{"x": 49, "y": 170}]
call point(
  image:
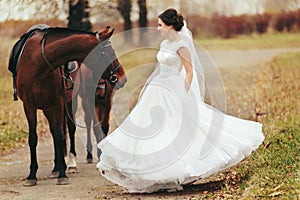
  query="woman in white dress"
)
[{"x": 171, "y": 137}]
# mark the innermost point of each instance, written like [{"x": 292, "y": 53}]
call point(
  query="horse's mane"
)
[{"x": 65, "y": 31}]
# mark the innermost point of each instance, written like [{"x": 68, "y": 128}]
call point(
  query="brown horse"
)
[
  {"x": 103, "y": 100},
  {"x": 38, "y": 83},
  {"x": 96, "y": 110}
]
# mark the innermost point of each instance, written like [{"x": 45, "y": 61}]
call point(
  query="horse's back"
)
[{"x": 19, "y": 46}]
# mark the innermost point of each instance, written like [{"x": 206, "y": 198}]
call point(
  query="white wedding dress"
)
[{"x": 171, "y": 137}]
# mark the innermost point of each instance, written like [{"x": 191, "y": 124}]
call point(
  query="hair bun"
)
[
  {"x": 178, "y": 24},
  {"x": 172, "y": 17}
]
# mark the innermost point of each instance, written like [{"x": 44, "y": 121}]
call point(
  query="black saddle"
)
[
  {"x": 17, "y": 52},
  {"x": 19, "y": 46}
]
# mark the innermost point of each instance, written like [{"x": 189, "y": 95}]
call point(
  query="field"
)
[{"x": 270, "y": 89}]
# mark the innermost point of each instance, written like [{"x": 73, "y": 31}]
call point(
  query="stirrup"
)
[
  {"x": 15, "y": 90},
  {"x": 15, "y": 97}
]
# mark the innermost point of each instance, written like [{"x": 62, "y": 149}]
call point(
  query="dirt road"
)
[{"x": 88, "y": 184}]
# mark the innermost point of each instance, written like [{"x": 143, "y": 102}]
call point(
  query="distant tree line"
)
[{"x": 231, "y": 26}]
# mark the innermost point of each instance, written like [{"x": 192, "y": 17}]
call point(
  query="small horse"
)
[
  {"x": 103, "y": 100},
  {"x": 96, "y": 113},
  {"x": 38, "y": 83}
]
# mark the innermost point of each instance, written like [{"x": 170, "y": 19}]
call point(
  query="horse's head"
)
[{"x": 114, "y": 73}]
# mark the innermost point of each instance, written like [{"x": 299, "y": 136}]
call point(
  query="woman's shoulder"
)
[
  {"x": 174, "y": 45},
  {"x": 181, "y": 43}
]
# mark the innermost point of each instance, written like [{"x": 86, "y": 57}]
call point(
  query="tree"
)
[
  {"x": 124, "y": 7},
  {"x": 143, "y": 13},
  {"x": 143, "y": 20},
  {"x": 79, "y": 15}
]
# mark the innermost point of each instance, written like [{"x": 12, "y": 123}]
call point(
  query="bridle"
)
[{"x": 112, "y": 79}]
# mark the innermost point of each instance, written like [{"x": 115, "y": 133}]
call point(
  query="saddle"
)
[
  {"x": 68, "y": 69},
  {"x": 17, "y": 52}
]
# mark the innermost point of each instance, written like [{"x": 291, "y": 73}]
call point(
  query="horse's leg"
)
[
  {"x": 98, "y": 130},
  {"x": 88, "y": 123},
  {"x": 56, "y": 120},
  {"x": 106, "y": 114},
  {"x": 71, "y": 166},
  {"x": 107, "y": 109},
  {"x": 30, "y": 113}
]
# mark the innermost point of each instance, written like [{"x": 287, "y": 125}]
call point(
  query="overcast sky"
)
[{"x": 14, "y": 9}]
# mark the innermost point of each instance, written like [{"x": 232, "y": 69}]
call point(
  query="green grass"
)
[
  {"x": 254, "y": 41},
  {"x": 13, "y": 127},
  {"x": 275, "y": 168},
  {"x": 12, "y": 120}
]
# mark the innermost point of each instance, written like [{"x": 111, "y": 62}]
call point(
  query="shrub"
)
[
  {"x": 297, "y": 18},
  {"x": 262, "y": 22},
  {"x": 285, "y": 20}
]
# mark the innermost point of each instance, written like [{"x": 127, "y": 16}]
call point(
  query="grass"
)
[
  {"x": 12, "y": 129},
  {"x": 253, "y": 41},
  {"x": 275, "y": 169}
]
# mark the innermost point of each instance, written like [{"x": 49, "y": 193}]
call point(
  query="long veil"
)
[{"x": 198, "y": 82}]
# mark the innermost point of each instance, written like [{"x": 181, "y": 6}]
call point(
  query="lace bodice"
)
[{"x": 168, "y": 57}]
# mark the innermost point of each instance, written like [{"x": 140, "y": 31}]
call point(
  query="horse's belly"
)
[{"x": 41, "y": 97}]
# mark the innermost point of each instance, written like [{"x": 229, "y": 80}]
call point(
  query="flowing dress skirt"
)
[{"x": 170, "y": 139}]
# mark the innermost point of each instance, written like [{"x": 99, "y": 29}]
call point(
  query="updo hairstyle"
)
[{"x": 172, "y": 18}]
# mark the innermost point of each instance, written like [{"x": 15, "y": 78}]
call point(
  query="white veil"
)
[{"x": 198, "y": 82}]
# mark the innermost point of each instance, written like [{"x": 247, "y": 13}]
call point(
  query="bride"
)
[{"x": 171, "y": 137}]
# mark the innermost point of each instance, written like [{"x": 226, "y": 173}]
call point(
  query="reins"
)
[{"x": 65, "y": 78}]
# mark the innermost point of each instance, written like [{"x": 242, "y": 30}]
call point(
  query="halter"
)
[{"x": 102, "y": 45}]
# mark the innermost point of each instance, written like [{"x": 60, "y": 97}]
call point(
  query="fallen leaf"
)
[{"x": 275, "y": 194}]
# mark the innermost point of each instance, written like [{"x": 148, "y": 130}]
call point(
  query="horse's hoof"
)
[
  {"x": 54, "y": 174},
  {"x": 62, "y": 181},
  {"x": 72, "y": 170},
  {"x": 89, "y": 160},
  {"x": 30, "y": 182}
]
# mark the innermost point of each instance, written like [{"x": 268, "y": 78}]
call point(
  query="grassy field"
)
[
  {"x": 13, "y": 131},
  {"x": 273, "y": 170},
  {"x": 253, "y": 41},
  {"x": 276, "y": 167}
]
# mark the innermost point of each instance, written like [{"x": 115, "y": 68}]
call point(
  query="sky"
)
[{"x": 15, "y": 9}]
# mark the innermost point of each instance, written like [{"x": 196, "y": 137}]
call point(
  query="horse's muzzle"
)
[{"x": 122, "y": 81}]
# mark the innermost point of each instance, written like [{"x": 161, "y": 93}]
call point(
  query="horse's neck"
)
[{"x": 74, "y": 47}]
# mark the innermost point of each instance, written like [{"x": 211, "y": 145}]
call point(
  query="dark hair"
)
[{"x": 172, "y": 17}]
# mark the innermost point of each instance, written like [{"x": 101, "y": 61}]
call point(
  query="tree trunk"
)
[
  {"x": 124, "y": 7},
  {"x": 143, "y": 21},
  {"x": 143, "y": 13},
  {"x": 79, "y": 15}
]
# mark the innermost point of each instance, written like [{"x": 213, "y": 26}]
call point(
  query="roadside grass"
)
[
  {"x": 12, "y": 125},
  {"x": 275, "y": 168}
]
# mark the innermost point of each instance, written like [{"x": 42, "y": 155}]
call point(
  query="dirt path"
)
[
  {"x": 238, "y": 58},
  {"x": 88, "y": 184}
]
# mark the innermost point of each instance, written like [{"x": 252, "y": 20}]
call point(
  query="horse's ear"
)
[
  {"x": 105, "y": 31},
  {"x": 110, "y": 33}
]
